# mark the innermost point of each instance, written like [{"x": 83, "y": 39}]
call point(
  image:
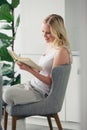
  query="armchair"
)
[{"x": 49, "y": 107}]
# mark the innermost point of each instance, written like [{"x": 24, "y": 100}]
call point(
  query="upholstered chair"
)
[{"x": 49, "y": 106}]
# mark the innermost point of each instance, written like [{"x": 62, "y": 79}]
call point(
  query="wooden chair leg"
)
[
  {"x": 58, "y": 121},
  {"x": 5, "y": 119},
  {"x": 14, "y": 119},
  {"x": 50, "y": 123}
]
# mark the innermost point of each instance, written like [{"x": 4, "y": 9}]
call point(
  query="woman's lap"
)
[{"x": 18, "y": 94}]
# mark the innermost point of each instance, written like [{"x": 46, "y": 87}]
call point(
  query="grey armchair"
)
[{"x": 49, "y": 107}]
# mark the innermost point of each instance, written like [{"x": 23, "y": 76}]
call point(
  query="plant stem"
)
[
  {"x": 12, "y": 44},
  {"x": 13, "y": 30}
]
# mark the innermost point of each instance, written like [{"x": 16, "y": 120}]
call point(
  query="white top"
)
[{"x": 46, "y": 61}]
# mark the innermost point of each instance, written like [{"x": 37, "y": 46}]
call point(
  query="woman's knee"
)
[{"x": 8, "y": 96}]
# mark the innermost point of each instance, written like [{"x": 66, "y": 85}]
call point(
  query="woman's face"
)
[{"x": 49, "y": 38}]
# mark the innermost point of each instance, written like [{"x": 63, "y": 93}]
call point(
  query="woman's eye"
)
[{"x": 46, "y": 33}]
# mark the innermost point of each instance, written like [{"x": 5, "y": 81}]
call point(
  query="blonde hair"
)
[{"x": 57, "y": 29}]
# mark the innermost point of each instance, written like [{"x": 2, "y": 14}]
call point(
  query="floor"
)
[{"x": 21, "y": 125}]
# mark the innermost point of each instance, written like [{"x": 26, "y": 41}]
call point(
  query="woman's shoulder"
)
[
  {"x": 62, "y": 50},
  {"x": 63, "y": 55}
]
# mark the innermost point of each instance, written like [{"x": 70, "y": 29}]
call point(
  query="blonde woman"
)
[{"x": 57, "y": 53}]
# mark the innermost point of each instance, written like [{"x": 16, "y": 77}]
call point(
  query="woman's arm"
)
[
  {"x": 45, "y": 79},
  {"x": 62, "y": 57}
]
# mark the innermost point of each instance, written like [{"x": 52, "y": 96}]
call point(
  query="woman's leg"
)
[{"x": 18, "y": 94}]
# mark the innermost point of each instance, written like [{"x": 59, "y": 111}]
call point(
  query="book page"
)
[
  {"x": 27, "y": 61},
  {"x": 13, "y": 55}
]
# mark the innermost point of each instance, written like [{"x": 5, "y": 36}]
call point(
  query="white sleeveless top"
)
[{"x": 46, "y": 61}]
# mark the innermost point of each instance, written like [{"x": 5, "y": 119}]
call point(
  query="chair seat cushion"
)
[{"x": 38, "y": 108}]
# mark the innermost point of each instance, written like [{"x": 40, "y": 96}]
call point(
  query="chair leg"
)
[
  {"x": 58, "y": 121},
  {"x": 5, "y": 119},
  {"x": 50, "y": 122},
  {"x": 14, "y": 119}
]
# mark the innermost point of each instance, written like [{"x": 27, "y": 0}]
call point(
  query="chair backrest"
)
[{"x": 60, "y": 77}]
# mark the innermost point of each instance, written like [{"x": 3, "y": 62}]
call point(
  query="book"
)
[{"x": 27, "y": 61}]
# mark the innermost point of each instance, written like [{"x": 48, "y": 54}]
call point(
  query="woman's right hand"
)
[{"x": 23, "y": 66}]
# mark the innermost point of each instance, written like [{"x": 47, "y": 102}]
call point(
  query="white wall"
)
[
  {"x": 71, "y": 20},
  {"x": 82, "y": 39},
  {"x": 29, "y": 37}
]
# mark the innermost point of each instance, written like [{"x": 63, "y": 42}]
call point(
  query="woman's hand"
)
[
  {"x": 24, "y": 66},
  {"x": 45, "y": 79}
]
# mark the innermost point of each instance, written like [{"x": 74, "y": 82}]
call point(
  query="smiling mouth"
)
[{"x": 46, "y": 39}]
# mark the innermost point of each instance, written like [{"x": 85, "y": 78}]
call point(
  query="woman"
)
[{"x": 57, "y": 53}]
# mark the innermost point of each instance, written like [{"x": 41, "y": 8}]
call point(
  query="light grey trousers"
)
[{"x": 21, "y": 94}]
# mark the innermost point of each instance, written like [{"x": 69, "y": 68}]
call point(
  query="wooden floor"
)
[{"x": 21, "y": 125}]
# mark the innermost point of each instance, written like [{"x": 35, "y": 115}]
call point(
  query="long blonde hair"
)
[{"x": 57, "y": 29}]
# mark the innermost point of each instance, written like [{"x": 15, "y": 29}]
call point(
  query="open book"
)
[{"x": 27, "y": 61}]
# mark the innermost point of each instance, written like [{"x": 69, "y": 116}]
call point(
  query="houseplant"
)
[{"x": 8, "y": 29}]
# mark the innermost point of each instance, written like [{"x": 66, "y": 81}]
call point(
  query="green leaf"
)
[
  {"x": 18, "y": 21},
  {"x": 3, "y": 2},
  {"x": 8, "y": 74},
  {"x": 7, "y": 70},
  {"x": 4, "y": 55},
  {"x": 12, "y": 81},
  {"x": 16, "y": 80},
  {"x": 5, "y": 13},
  {"x": 15, "y": 3},
  {"x": 4, "y": 43},
  {"x": 6, "y": 82},
  {"x": 6, "y": 26},
  {"x": 5, "y": 36}
]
